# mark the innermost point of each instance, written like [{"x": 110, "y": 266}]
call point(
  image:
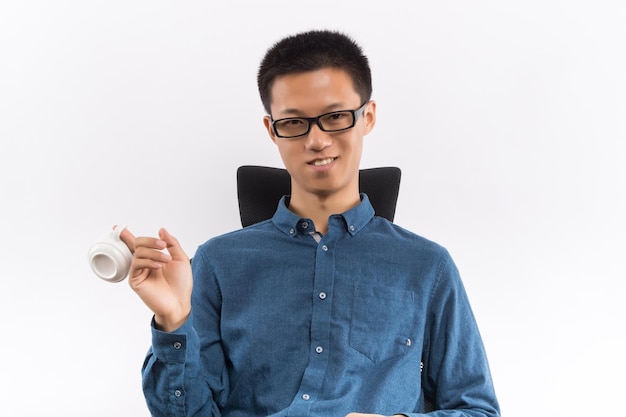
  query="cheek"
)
[
  {"x": 356, "y": 148},
  {"x": 286, "y": 152}
]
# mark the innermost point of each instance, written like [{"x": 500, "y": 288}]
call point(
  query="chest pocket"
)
[{"x": 381, "y": 322}]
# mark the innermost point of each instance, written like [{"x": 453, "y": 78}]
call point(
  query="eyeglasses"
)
[{"x": 336, "y": 121}]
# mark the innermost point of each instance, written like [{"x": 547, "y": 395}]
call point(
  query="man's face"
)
[{"x": 321, "y": 163}]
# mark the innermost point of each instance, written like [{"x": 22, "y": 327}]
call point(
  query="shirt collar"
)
[{"x": 355, "y": 219}]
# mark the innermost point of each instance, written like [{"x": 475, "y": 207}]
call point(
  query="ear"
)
[
  {"x": 369, "y": 116},
  {"x": 267, "y": 122}
]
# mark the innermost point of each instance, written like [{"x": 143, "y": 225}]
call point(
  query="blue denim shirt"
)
[{"x": 285, "y": 322}]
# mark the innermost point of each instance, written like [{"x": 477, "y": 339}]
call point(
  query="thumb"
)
[{"x": 173, "y": 247}]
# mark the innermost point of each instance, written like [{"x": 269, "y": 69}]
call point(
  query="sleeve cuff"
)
[{"x": 172, "y": 347}]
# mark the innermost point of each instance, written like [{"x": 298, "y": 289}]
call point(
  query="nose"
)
[{"x": 317, "y": 139}]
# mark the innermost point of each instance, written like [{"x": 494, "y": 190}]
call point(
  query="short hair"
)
[{"x": 310, "y": 51}]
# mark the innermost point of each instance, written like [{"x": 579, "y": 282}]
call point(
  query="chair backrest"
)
[{"x": 259, "y": 188}]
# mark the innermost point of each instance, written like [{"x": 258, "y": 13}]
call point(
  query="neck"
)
[{"x": 319, "y": 207}]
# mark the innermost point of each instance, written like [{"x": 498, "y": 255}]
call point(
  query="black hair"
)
[{"x": 310, "y": 51}]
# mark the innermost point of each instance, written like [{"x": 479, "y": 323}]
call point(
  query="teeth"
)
[{"x": 321, "y": 162}]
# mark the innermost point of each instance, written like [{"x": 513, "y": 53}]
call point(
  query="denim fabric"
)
[{"x": 372, "y": 318}]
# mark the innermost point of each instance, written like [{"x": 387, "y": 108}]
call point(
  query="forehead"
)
[{"x": 313, "y": 91}]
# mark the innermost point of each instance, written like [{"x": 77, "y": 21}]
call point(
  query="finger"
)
[
  {"x": 152, "y": 254},
  {"x": 150, "y": 243},
  {"x": 128, "y": 238},
  {"x": 147, "y": 259},
  {"x": 173, "y": 246},
  {"x": 139, "y": 265},
  {"x": 365, "y": 415}
]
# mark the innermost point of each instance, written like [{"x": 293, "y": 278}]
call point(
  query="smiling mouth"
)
[{"x": 322, "y": 162}]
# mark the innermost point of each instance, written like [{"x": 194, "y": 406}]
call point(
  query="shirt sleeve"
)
[
  {"x": 172, "y": 378},
  {"x": 183, "y": 372},
  {"x": 456, "y": 373}
]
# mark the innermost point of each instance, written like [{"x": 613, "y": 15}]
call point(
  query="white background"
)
[{"x": 507, "y": 119}]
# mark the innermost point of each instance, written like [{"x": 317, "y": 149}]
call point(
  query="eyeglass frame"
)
[{"x": 310, "y": 120}]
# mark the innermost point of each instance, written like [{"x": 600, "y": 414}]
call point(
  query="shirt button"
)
[
  {"x": 352, "y": 228},
  {"x": 319, "y": 349},
  {"x": 325, "y": 248},
  {"x": 291, "y": 231},
  {"x": 322, "y": 295},
  {"x": 305, "y": 225},
  {"x": 177, "y": 345},
  {"x": 178, "y": 393},
  {"x": 306, "y": 397}
]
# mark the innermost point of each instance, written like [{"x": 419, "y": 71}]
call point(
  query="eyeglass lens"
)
[{"x": 330, "y": 122}]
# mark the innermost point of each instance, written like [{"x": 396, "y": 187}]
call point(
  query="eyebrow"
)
[{"x": 298, "y": 113}]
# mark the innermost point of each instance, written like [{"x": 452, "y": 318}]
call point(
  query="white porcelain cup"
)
[{"x": 110, "y": 258}]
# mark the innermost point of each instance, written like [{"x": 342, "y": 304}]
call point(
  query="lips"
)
[{"x": 322, "y": 162}]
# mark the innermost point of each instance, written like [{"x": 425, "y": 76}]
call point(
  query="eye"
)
[
  {"x": 336, "y": 116},
  {"x": 290, "y": 123},
  {"x": 337, "y": 120},
  {"x": 291, "y": 127}
]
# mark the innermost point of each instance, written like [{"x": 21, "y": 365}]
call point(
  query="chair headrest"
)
[{"x": 259, "y": 188}]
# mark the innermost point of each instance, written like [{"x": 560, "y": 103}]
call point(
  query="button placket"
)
[{"x": 320, "y": 322}]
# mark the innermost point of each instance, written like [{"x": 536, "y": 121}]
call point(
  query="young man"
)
[{"x": 326, "y": 309}]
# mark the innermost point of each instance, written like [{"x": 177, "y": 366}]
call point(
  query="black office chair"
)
[{"x": 259, "y": 188}]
